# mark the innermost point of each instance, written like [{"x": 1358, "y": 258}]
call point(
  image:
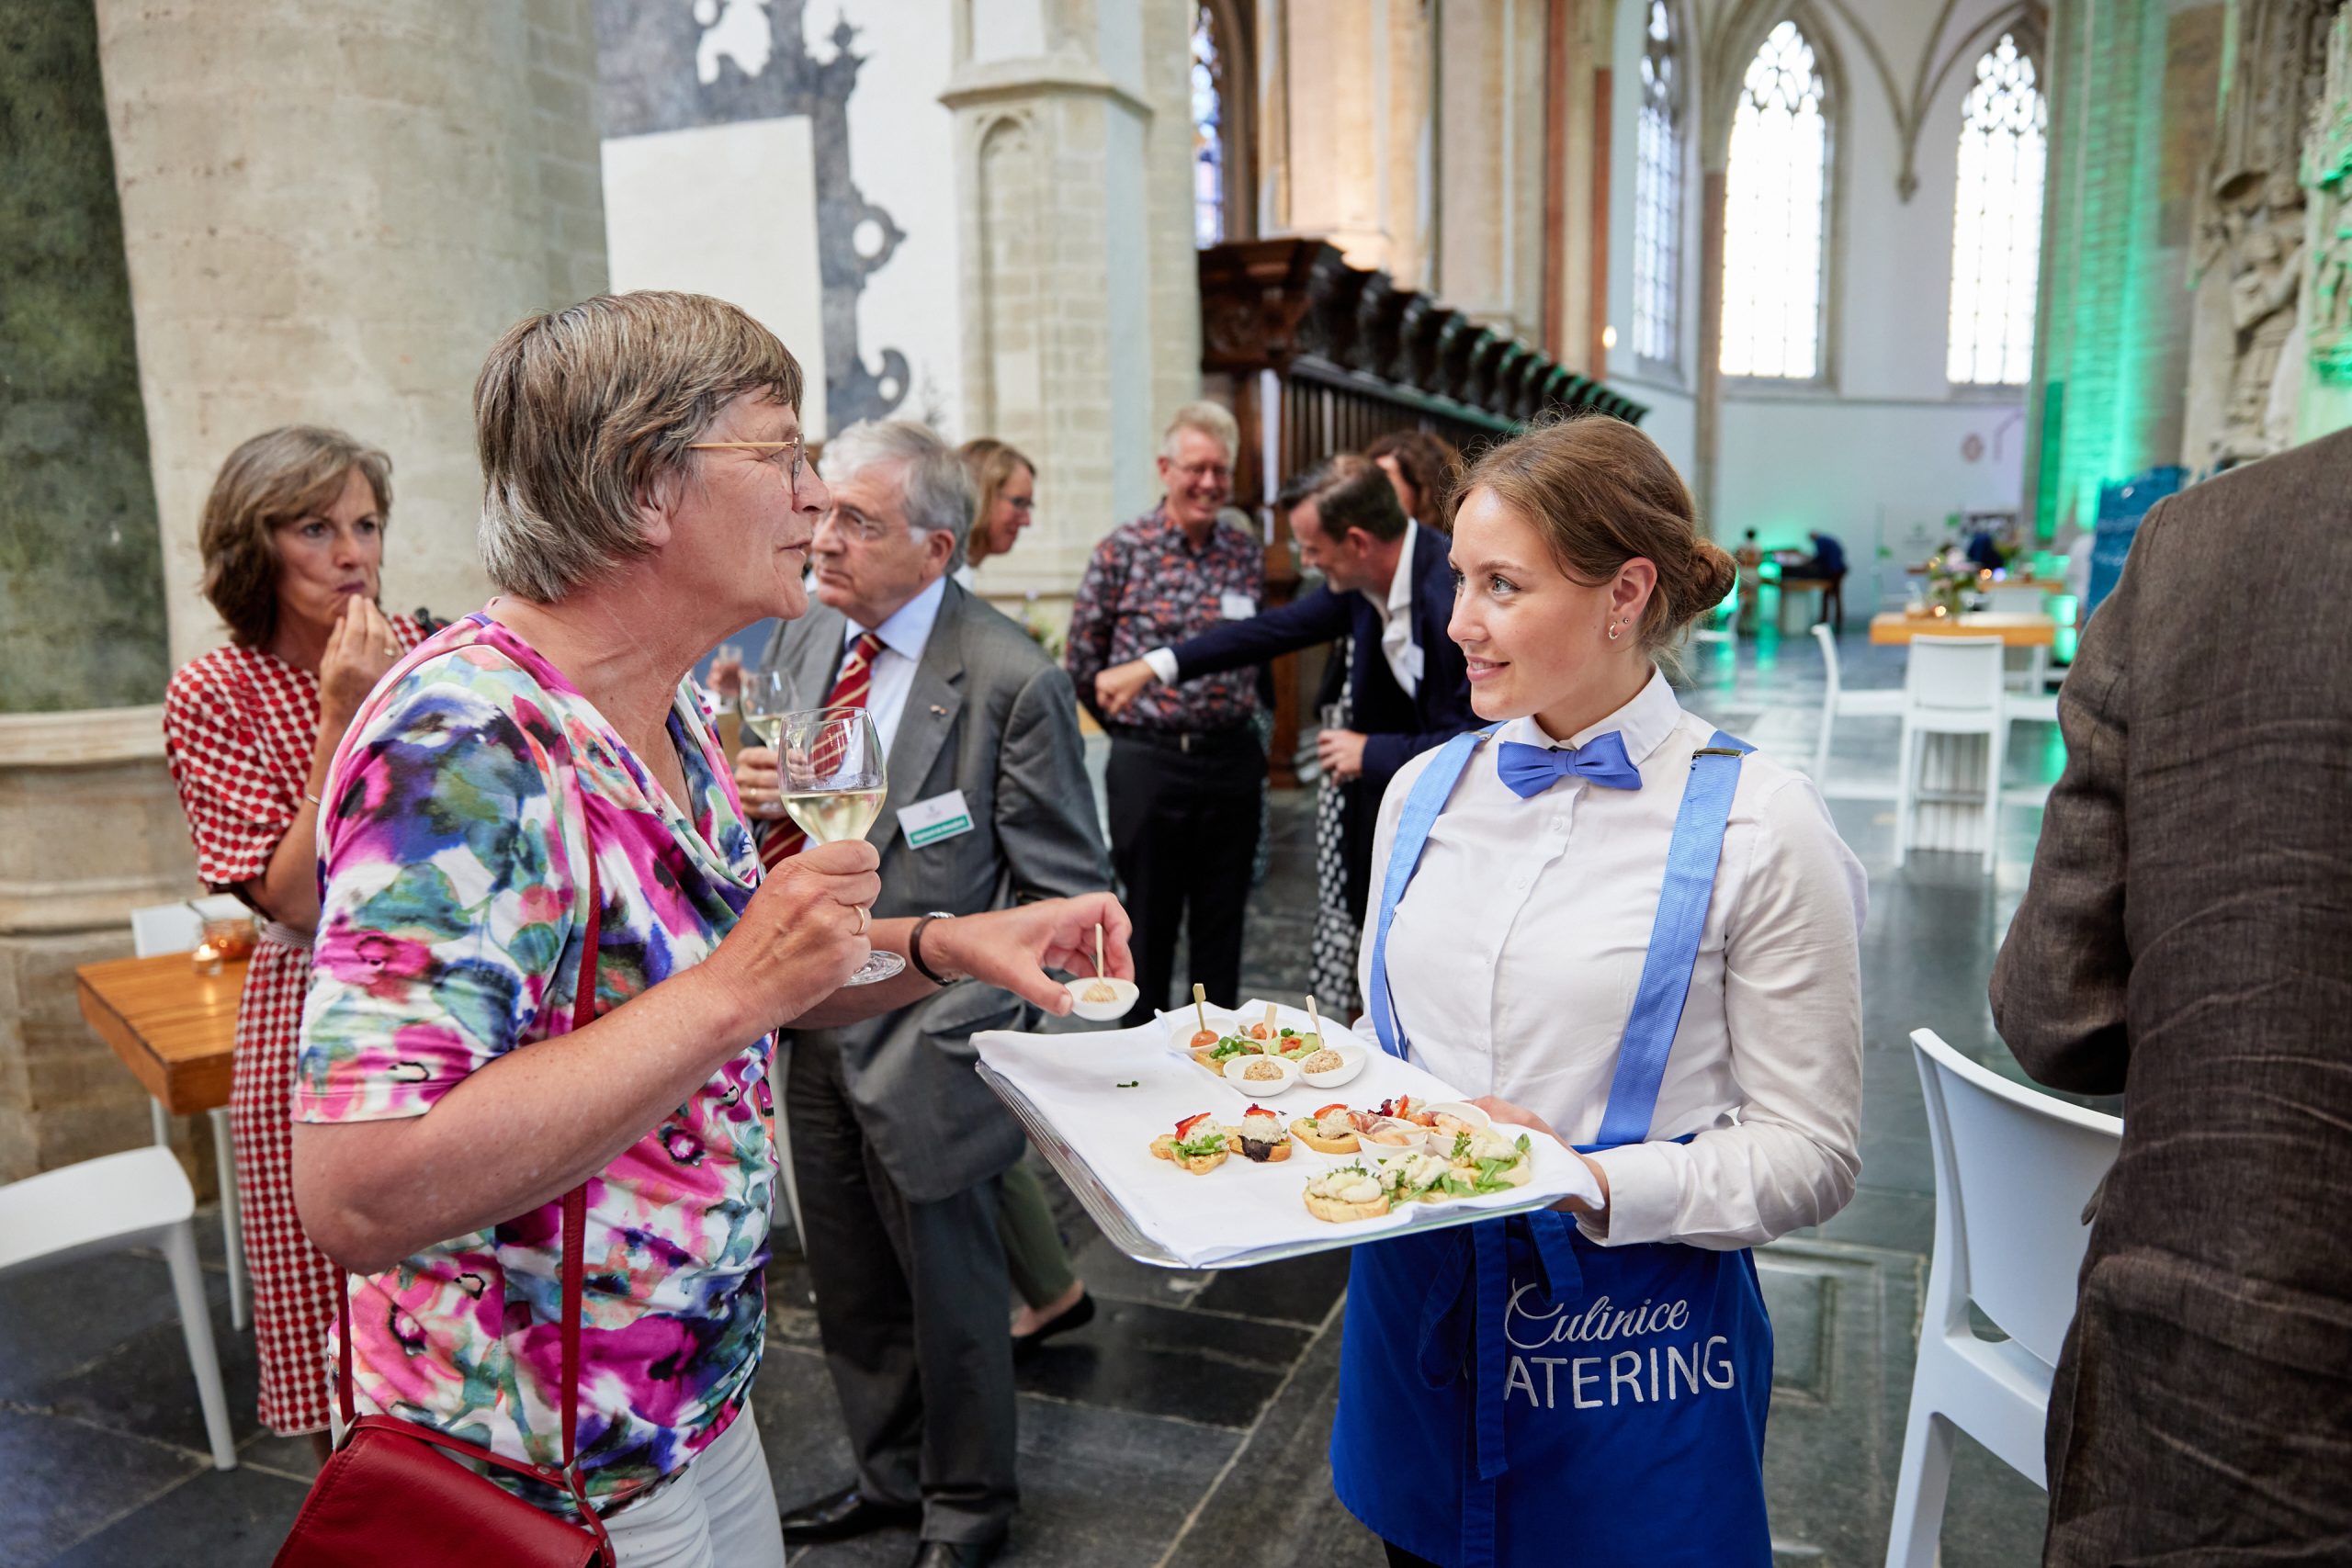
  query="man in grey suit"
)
[
  {"x": 2186, "y": 943},
  {"x": 898, "y": 1149}
]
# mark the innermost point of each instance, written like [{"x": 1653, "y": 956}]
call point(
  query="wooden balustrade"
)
[{"x": 1340, "y": 356}]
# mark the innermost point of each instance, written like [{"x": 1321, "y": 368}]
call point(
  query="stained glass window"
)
[
  {"x": 1775, "y": 213},
  {"x": 1657, "y": 196},
  {"x": 1996, "y": 223},
  {"x": 1208, "y": 134}
]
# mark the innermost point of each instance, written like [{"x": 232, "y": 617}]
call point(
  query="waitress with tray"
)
[{"x": 1633, "y": 932}]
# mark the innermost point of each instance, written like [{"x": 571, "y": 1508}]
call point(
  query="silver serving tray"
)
[{"x": 1116, "y": 1223}]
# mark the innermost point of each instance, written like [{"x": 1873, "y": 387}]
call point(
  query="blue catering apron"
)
[{"x": 1513, "y": 1393}]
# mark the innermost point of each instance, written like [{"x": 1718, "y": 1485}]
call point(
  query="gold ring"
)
[{"x": 865, "y": 919}]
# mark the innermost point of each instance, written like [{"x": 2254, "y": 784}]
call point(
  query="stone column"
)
[
  {"x": 1489, "y": 162},
  {"x": 331, "y": 209},
  {"x": 1081, "y": 305},
  {"x": 88, "y": 827},
  {"x": 328, "y": 209}
]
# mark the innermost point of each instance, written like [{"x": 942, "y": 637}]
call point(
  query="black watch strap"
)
[{"x": 914, "y": 948}]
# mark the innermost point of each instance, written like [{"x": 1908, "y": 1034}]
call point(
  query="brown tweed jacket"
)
[{"x": 2186, "y": 943}]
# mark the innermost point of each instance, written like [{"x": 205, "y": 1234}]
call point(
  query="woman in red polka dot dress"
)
[{"x": 292, "y": 540}]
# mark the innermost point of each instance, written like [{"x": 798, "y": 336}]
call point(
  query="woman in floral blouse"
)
[{"x": 645, "y": 497}]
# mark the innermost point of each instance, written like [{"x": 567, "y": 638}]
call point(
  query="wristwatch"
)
[{"x": 914, "y": 950}]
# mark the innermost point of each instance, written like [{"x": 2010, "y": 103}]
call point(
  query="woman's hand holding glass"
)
[{"x": 803, "y": 934}]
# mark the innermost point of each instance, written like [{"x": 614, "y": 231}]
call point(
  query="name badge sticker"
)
[
  {"x": 1235, "y": 606},
  {"x": 940, "y": 817}
]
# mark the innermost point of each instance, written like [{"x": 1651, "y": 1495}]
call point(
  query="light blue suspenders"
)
[
  {"x": 1691, "y": 860},
  {"x": 1394, "y": 1282}
]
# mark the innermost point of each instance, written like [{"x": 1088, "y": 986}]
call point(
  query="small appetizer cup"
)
[
  {"x": 1083, "y": 1005},
  {"x": 1352, "y": 1061},
  {"x": 1186, "y": 1022},
  {"x": 1392, "y": 1136},
  {"x": 1283, "y": 1075},
  {"x": 1475, "y": 1119}
]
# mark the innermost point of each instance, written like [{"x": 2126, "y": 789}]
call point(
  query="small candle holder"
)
[{"x": 224, "y": 940}]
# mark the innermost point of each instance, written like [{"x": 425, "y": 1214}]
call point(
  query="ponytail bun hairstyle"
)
[{"x": 1601, "y": 494}]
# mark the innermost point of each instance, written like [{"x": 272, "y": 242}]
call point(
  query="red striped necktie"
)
[{"x": 851, "y": 688}]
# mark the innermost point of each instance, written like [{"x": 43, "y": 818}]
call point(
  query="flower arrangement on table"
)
[{"x": 1951, "y": 575}]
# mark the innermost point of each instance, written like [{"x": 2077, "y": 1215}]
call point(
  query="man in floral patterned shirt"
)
[{"x": 1186, "y": 768}]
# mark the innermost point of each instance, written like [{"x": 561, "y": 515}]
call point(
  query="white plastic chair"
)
[
  {"x": 2014, "y": 1171},
  {"x": 136, "y": 1199},
  {"x": 1836, "y": 700},
  {"x": 174, "y": 927},
  {"x": 2031, "y": 672},
  {"x": 1952, "y": 687}
]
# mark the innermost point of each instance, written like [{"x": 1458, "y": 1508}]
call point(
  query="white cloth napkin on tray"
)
[{"x": 1242, "y": 1207}]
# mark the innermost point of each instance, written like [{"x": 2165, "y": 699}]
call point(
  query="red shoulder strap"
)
[{"x": 575, "y": 1226}]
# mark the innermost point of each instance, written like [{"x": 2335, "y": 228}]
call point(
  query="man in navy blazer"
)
[{"x": 1386, "y": 584}]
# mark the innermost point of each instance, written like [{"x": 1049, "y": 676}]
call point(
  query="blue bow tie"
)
[{"x": 1531, "y": 770}]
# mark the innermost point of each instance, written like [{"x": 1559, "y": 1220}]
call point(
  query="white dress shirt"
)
[
  {"x": 1397, "y": 619},
  {"x": 904, "y": 635},
  {"x": 1396, "y": 613},
  {"x": 1514, "y": 956}
]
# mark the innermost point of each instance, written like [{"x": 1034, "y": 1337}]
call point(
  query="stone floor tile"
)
[
  {"x": 1274, "y": 1507},
  {"x": 53, "y": 1320},
  {"x": 65, "y": 1481},
  {"x": 1162, "y": 1362},
  {"x": 223, "y": 1519},
  {"x": 144, "y": 1386},
  {"x": 1296, "y": 1290}
]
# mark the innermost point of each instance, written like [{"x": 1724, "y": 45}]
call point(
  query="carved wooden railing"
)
[{"x": 1340, "y": 356}]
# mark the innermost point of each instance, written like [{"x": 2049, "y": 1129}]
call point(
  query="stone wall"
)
[
  {"x": 81, "y": 587},
  {"x": 331, "y": 209},
  {"x": 89, "y": 830}
]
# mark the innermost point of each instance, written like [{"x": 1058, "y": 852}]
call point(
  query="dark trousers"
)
[
  {"x": 1184, "y": 836},
  {"x": 910, "y": 1304},
  {"x": 1400, "y": 1558}
]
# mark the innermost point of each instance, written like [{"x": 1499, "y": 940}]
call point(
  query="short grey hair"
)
[
  {"x": 579, "y": 413},
  {"x": 935, "y": 487},
  {"x": 1212, "y": 420}
]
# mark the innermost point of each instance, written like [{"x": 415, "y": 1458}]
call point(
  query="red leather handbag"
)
[{"x": 385, "y": 1499}]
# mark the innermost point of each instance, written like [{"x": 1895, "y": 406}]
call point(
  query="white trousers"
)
[{"x": 720, "y": 1514}]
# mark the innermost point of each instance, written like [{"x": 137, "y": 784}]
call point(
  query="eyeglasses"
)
[
  {"x": 768, "y": 449},
  {"x": 1198, "y": 471},
  {"x": 857, "y": 525}
]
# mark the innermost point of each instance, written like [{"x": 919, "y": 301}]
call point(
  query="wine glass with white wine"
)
[
  {"x": 768, "y": 697},
  {"x": 832, "y": 777}
]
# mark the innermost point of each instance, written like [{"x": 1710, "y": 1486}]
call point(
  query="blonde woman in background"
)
[{"x": 1007, "y": 483}]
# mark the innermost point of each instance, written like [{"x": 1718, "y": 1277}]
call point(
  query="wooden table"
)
[
  {"x": 176, "y": 1030},
  {"x": 172, "y": 1027},
  {"x": 2014, "y": 630}
]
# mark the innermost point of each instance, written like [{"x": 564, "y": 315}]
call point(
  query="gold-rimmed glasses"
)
[{"x": 765, "y": 448}]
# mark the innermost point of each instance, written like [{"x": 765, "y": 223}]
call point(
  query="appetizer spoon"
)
[{"x": 1102, "y": 991}]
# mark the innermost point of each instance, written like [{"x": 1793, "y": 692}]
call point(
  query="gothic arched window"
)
[
  {"x": 1208, "y": 132},
  {"x": 1775, "y": 214},
  {"x": 1657, "y": 196},
  {"x": 1996, "y": 221}
]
